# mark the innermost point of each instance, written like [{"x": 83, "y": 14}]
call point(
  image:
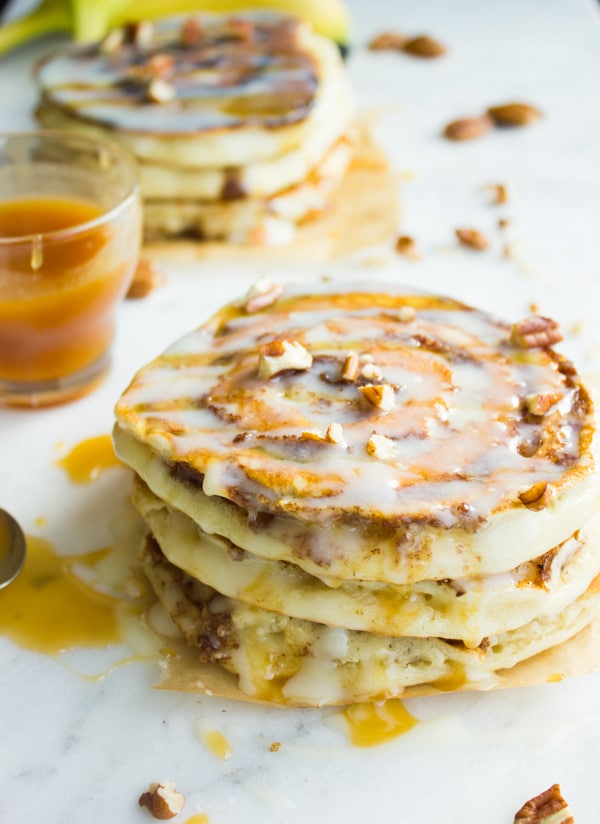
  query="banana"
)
[{"x": 90, "y": 20}]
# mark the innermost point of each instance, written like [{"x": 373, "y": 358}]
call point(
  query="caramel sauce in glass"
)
[{"x": 57, "y": 292}]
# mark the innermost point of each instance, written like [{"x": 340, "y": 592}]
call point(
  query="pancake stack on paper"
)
[
  {"x": 356, "y": 489},
  {"x": 242, "y": 125}
]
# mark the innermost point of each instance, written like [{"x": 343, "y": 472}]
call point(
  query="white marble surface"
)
[{"x": 76, "y": 751}]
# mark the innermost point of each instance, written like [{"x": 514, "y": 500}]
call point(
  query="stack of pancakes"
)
[
  {"x": 242, "y": 125},
  {"x": 360, "y": 488}
]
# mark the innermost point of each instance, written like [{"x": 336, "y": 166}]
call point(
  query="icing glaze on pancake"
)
[
  {"x": 254, "y": 71},
  {"x": 459, "y": 441}
]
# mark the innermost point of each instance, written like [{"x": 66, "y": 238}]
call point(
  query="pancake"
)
[
  {"x": 354, "y": 488},
  {"x": 284, "y": 660},
  {"x": 216, "y": 109},
  {"x": 467, "y": 610}
]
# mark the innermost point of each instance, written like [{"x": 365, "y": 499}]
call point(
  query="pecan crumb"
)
[
  {"x": 472, "y": 238},
  {"x": 148, "y": 276},
  {"x": 535, "y": 332},
  {"x": 503, "y": 222},
  {"x": 275, "y": 746},
  {"x": 500, "y": 193},
  {"x": 424, "y": 46},
  {"x": 542, "y": 402},
  {"x": 335, "y": 433},
  {"x": 468, "y": 128},
  {"x": 380, "y": 447},
  {"x": 388, "y": 41},
  {"x": 514, "y": 114},
  {"x": 162, "y": 801},
  {"x": 548, "y": 807},
  {"x": 406, "y": 245}
]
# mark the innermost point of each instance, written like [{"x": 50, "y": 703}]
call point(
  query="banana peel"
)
[{"x": 90, "y": 20}]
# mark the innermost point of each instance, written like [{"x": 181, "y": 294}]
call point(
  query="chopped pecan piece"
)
[
  {"x": 147, "y": 277},
  {"x": 406, "y": 314},
  {"x": 160, "y": 91},
  {"x": 514, "y": 114},
  {"x": 191, "y": 32},
  {"x": 542, "y": 402},
  {"x": 262, "y": 294},
  {"x": 162, "y": 801},
  {"x": 535, "y": 332},
  {"x": 280, "y": 355},
  {"x": 350, "y": 367},
  {"x": 371, "y": 372},
  {"x": 380, "y": 395},
  {"x": 468, "y": 128},
  {"x": 335, "y": 433},
  {"x": 380, "y": 447},
  {"x": 548, "y": 807},
  {"x": 424, "y": 46},
  {"x": 472, "y": 238},
  {"x": 406, "y": 245},
  {"x": 500, "y": 193}
]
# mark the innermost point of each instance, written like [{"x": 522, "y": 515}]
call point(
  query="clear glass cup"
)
[{"x": 70, "y": 235}]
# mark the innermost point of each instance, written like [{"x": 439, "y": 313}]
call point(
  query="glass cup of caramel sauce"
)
[{"x": 70, "y": 235}]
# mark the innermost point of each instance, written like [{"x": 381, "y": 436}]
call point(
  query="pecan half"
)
[
  {"x": 535, "y": 332},
  {"x": 548, "y": 807},
  {"x": 468, "y": 128},
  {"x": 472, "y": 238},
  {"x": 514, "y": 114},
  {"x": 424, "y": 46}
]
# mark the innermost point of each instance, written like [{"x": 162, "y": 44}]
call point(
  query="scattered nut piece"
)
[
  {"x": 161, "y": 91},
  {"x": 148, "y": 276},
  {"x": 191, "y": 31},
  {"x": 406, "y": 314},
  {"x": 548, "y": 807},
  {"x": 542, "y": 402},
  {"x": 472, "y": 238},
  {"x": 503, "y": 222},
  {"x": 536, "y": 496},
  {"x": 335, "y": 433},
  {"x": 279, "y": 355},
  {"x": 275, "y": 746},
  {"x": 468, "y": 128},
  {"x": 514, "y": 114},
  {"x": 262, "y": 294},
  {"x": 350, "y": 367},
  {"x": 381, "y": 447},
  {"x": 388, "y": 41},
  {"x": 161, "y": 65},
  {"x": 500, "y": 193},
  {"x": 406, "y": 245},
  {"x": 162, "y": 801},
  {"x": 139, "y": 33},
  {"x": 424, "y": 46},
  {"x": 371, "y": 372},
  {"x": 380, "y": 395},
  {"x": 535, "y": 332}
]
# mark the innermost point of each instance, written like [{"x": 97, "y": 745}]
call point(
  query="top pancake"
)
[
  {"x": 245, "y": 89},
  {"x": 440, "y": 425}
]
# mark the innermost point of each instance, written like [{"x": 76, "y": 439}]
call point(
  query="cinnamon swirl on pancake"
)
[
  {"x": 242, "y": 125},
  {"x": 365, "y": 479}
]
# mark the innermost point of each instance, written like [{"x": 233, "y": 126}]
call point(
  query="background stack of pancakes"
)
[
  {"x": 242, "y": 125},
  {"x": 361, "y": 488}
]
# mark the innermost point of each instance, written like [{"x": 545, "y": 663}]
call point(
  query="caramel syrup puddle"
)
[
  {"x": 89, "y": 459},
  {"x": 199, "y": 818},
  {"x": 217, "y": 744},
  {"x": 370, "y": 725}
]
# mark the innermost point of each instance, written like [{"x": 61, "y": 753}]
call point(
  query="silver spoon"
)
[{"x": 12, "y": 548}]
